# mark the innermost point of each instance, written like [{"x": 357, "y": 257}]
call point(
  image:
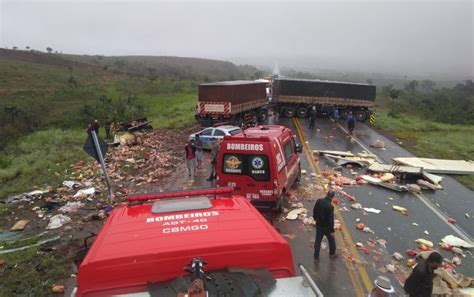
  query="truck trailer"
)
[
  {"x": 239, "y": 103},
  {"x": 295, "y": 97}
]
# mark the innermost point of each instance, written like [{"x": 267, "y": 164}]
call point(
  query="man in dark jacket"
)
[
  {"x": 312, "y": 117},
  {"x": 351, "y": 122},
  {"x": 420, "y": 281},
  {"x": 323, "y": 214},
  {"x": 96, "y": 126}
]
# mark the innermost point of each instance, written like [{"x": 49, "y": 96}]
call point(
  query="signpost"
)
[{"x": 97, "y": 148}]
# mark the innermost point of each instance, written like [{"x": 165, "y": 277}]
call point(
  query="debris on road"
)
[
  {"x": 58, "y": 221},
  {"x": 439, "y": 165},
  {"x": 457, "y": 242},
  {"x": 400, "y": 209},
  {"x": 85, "y": 192},
  {"x": 20, "y": 225},
  {"x": 398, "y": 256},
  {"x": 30, "y": 246},
  {"x": 452, "y": 221},
  {"x": 58, "y": 288},
  {"x": 424, "y": 242},
  {"x": 372, "y": 210},
  {"x": 293, "y": 214}
]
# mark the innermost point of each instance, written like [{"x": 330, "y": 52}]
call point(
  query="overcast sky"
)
[{"x": 408, "y": 37}]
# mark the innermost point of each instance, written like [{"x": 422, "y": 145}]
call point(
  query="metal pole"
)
[
  {"x": 102, "y": 163},
  {"x": 310, "y": 281}
]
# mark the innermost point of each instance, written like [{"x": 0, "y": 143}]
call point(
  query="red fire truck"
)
[
  {"x": 204, "y": 242},
  {"x": 260, "y": 163}
]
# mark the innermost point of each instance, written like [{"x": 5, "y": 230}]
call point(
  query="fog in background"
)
[{"x": 404, "y": 37}]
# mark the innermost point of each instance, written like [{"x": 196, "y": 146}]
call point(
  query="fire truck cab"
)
[
  {"x": 175, "y": 243},
  {"x": 261, "y": 163}
]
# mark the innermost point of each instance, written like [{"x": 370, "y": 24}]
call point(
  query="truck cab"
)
[
  {"x": 150, "y": 244},
  {"x": 260, "y": 163}
]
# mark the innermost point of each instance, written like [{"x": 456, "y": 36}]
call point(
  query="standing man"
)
[
  {"x": 350, "y": 122},
  {"x": 336, "y": 115},
  {"x": 190, "y": 157},
  {"x": 198, "y": 146},
  {"x": 107, "y": 128},
  {"x": 214, "y": 152},
  {"x": 323, "y": 214},
  {"x": 96, "y": 127},
  {"x": 312, "y": 117},
  {"x": 420, "y": 281}
]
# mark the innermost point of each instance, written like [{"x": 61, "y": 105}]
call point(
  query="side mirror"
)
[
  {"x": 81, "y": 254},
  {"x": 299, "y": 148}
]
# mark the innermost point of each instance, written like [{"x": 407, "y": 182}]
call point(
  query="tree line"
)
[{"x": 422, "y": 98}]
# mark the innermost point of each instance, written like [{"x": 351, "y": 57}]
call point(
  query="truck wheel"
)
[
  {"x": 301, "y": 112},
  {"x": 289, "y": 112},
  {"x": 361, "y": 115}
]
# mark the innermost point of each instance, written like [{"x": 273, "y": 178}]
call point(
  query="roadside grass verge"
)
[
  {"x": 176, "y": 111},
  {"x": 34, "y": 271},
  {"x": 39, "y": 160},
  {"x": 429, "y": 139}
]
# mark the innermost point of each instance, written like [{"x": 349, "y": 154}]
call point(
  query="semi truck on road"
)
[
  {"x": 294, "y": 97},
  {"x": 237, "y": 102}
]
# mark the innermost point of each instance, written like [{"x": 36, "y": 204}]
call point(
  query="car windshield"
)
[{"x": 235, "y": 131}]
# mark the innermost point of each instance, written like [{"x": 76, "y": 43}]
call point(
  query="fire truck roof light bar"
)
[{"x": 181, "y": 194}]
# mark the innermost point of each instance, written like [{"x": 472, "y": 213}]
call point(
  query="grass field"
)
[{"x": 431, "y": 139}]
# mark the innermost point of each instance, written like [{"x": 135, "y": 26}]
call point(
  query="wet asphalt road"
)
[{"x": 332, "y": 275}]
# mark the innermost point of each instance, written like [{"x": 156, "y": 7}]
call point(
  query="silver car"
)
[{"x": 206, "y": 135}]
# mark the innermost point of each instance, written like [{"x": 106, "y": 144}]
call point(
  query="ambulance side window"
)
[{"x": 289, "y": 150}]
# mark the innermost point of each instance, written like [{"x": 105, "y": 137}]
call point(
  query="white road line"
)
[{"x": 463, "y": 234}]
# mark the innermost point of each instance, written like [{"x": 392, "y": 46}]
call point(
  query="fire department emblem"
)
[
  {"x": 233, "y": 162},
  {"x": 257, "y": 163}
]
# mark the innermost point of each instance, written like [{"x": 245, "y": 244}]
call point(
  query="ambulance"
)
[
  {"x": 261, "y": 163},
  {"x": 205, "y": 242}
]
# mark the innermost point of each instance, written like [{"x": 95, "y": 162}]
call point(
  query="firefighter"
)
[
  {"x": 323, "y": 214},
  {"x": 312, "y": 117}
]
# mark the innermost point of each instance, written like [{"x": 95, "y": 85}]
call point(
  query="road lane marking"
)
[
  {"x": 357, "y": 272},
  {"x": 458, "y": 230}
]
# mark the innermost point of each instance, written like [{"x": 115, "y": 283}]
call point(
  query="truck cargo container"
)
[
  {"x": 237, "y": 102},
  {"x": 294, "y": 97}
]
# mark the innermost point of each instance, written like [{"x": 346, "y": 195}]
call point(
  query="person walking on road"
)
[
  {"x": 350, "y": 122},
  {"x": 312, "y": 117},
  {"x": 383, "y": 288},
  {"x": 198, "y": 146},
  {"x": 190, "y": 157},
  {"x": 214, "y": 152},
  {"x": 420, "y": 281},
  {"x": 323, "y": 214}
]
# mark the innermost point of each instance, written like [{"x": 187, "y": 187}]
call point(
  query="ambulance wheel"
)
[
  {"x": 301, "y": 112},
  {"x": 298, "y": 177},
  {"x": 280, "y": 203},
  {"x": 289, "y": 112}
]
